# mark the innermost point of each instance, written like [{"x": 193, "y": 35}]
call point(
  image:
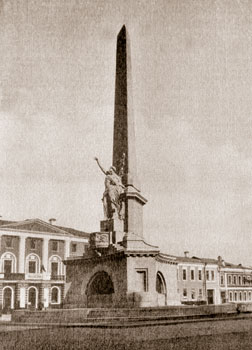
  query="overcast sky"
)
[{"x": 192, "y": 90}]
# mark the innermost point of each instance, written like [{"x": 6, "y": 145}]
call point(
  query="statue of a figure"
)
[{"x": 112, "y": 203}]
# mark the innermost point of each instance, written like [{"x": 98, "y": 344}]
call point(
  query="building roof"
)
[
  {"x": 38, "y": 225},
  {"x": 74, "y": 232},
  {"x": 195, "y": 260}
]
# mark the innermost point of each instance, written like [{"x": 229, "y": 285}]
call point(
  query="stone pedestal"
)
[
  {"x": 111, "y": 225},
  {"x": 115, "y": 227}
]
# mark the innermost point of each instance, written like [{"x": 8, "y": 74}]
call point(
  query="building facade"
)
[
  {"x": 32, "y": 273},
  {"x": 235, "y": 283},
  {"x": 212, "y": 281}
]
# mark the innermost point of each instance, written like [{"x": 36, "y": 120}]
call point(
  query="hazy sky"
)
[{"x": 192, "y": 79}]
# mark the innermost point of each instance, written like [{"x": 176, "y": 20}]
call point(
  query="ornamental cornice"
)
[{"x": 166, "y": 260}]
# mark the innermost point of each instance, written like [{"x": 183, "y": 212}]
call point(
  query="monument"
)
[{"x": 120, "y": 269}]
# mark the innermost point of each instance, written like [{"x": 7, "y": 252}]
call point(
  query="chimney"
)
[
  {"x": 51, "y": 221},
  {"x": 186, "y": 253}
]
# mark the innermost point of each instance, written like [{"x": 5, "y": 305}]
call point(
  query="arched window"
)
[
  {"x": 33, "y": 263},
  {"x": 240, "y": 280},
  {"x": 160, "y": 284},
  {"x": 240, "y": 295},
  {"x": 101, "y": 283},
  {"x": 230, "y": 296},
  {"x": 55, "y": 295},
  {"x": 55, "y": 265},
  {"x": 8, "y": 262},
  {"x": 8, "y": 298}
]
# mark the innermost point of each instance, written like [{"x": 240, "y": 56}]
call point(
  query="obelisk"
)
[{"x": 124, "y": 152}]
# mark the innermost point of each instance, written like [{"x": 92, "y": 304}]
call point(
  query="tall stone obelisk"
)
[{"x": 124, "y": 152}]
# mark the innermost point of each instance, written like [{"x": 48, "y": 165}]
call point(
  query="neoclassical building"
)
[
  {"x": 32, "y": 273},
  {"x": 212, "y": 281}
]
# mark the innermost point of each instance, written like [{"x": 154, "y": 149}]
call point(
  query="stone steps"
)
[{"x": 114, "y": 315}]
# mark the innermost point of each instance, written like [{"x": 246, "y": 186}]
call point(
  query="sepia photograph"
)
[{"x": 126, "y": 174}]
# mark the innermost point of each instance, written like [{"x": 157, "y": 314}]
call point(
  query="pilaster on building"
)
[{"x": 32, "y": 273}]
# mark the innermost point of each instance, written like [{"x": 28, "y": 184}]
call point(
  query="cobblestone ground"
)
[{"x": 223, "y": 335}]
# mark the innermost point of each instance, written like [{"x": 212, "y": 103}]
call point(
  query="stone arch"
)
[
  {"x": 100, "y": 283},
  {"x": 161, "y": 289},
  {"x": 160, "y": 283},
  {"x": 92, "y": 273},
  {"x": 100, "y": 290}
]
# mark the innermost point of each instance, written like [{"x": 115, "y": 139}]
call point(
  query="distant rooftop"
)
[
  {"x": 32, "y": 224},
  {"x": 195, "y": 259}
]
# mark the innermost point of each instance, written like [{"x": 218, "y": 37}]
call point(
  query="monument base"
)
[{"x": 115, "y": 229}]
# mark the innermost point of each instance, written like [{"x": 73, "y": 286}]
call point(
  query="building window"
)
[
  {"x": 55, "y": 265},
  {"x": 240, "y": 294},
  {"x": 212, "y": 275},
  {"x": 229, "y": 279},
  {"x": 230, "y": 296},
  {"x": 193, "y": 294},
  {"x": 141, "y": 280},
  {"x": 192, "y": 275},
  {"x": 207, "y": 275},
  {"x": 7, "y": 266},
  {"x": 74, "y": 247},
  {"x": 200, "y": 275},
  {"x": 245, "y": 296},
  {"x": 33, "y": 244},
  {"x": 184, "y": 274},
  {"x": 9, "y": 242},
  {"x": 234, "y": 279},
  {"x": 8, "y": 263},
  {"x": 249, "y": 295},
  {"x": 55, "y": 295},
  {"x": 54, "y": 268},
  {"x": 200, "y": 293},
  {"x": 33, "y": 263},
  {"x": 184, "y": 292},
  {"x": 32, "y": 266},
  {"x": 55, "y": 246},
  {"x": 222, "y": 279}
]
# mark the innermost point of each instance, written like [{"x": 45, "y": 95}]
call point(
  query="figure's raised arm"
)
[{"x": 102, "y": 169}]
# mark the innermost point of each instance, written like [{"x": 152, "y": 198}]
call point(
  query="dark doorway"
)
[
  {"x": 100, "y": 290},
  {"x": 210, "y": 296},
  {"x": 32, "y": 297},
  {"x": 101, "y": 284}
]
